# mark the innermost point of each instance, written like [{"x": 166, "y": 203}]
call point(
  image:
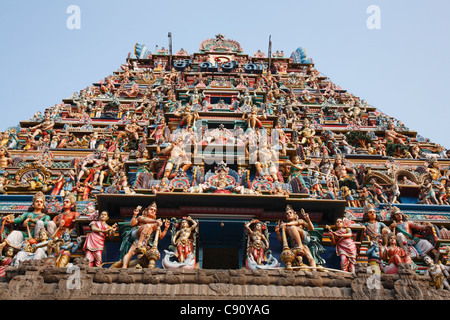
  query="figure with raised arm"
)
[
  {"x": 95, "y": 241},
  {"x": 296, "y": 229},
  {"x": 183, "y": 240},
  {"x": 137, "y": 238},
  {"x": 345, "y": 246}
]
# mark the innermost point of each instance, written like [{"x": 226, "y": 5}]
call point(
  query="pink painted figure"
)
[
  {"x": 394, "y": 254},
  {"x": 6, "y": 261},
  {"x": 345, "y": 246},
  {"x": 95, "y": 241}
]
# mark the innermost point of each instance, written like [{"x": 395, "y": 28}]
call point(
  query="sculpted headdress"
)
[
  {"x": 39, "y": 195},
  {"x": 71, "y": 197}
]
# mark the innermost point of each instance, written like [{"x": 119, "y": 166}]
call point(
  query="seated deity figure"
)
[
  {"x": 187, "y": 115},
  {"x": 144, "y": 172},
  {"x": 306, "y": 133},
  {"x": 34, "y": 220},
  {"x": 220, "y": 182},
  {"x": 163, "y": 186},
  {"x": 132, "y": 92},
  {"x": 438, "y": 273},
  {"x": 131, "y": 130},
  {"x": 341, "y": 170},
  {"x": 374, "y": 229},
  {"x": 5, "y": 158},
  {"x": 296, "y": 230},
  {"x": 259, "y": 54},
  {"x": 44, "y": 128},
  {"x": 113, "y": 166},
  {"x": 409, "y": 235},
  {"x": 392, "y": 136},
  {"x": 394, "y": 254},
  {"x": 32, "y": 250},
  {"x": 65, "y": 220},
  {"x": 182, "y": 52}
]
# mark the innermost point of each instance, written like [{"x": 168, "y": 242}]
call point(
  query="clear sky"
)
[{"x": 402, "y": 68}]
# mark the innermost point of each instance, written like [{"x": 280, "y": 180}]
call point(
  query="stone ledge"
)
[{"x": 32, "y": 281}]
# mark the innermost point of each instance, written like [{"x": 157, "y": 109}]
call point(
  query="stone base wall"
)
[{"x": 34, "y": 281}]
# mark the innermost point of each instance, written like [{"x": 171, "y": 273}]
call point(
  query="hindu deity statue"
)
[
  {"x": 258, "y": 254},
  {"x": 183, "y": 245}
]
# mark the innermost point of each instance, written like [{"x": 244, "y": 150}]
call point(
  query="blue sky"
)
[{"x": 403, "y": 68}]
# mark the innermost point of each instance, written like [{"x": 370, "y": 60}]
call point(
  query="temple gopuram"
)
[{"x": 221, "y": 175}]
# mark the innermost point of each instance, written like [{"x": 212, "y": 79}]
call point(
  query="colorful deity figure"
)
[
  {"x": 306, "y": 133},
  {"x": 4, "y": 182},
  {"x": 144, "y": 173},
  {"x": 258, "y": 242},
  {"x": 45, "y": 128},
  {"x": 183, "y": 245},
  {"x": 391, "y": 136},
  {"x": 341, "y": 170},
  {"x": 187, "y": 115},
  {"x": 408, "y": 234},
  {"x": 95, "y": 241},
  {"x": 258, "y": 254},
  {"x": 394, "y": 254},
  {"x": 195, "y": 98},
  {"x": 438, "y": 273},
  {"x": 222, "y": 181},
  {"x": 35, "y": 219},
  {"x": 253, "y": 119},
  {"x": 375, "y": 230},
  {"x": 5, "y": 158},
  {"x": 374, "y": 258},
  {"x": 6, "y": 261},
  {"x": 267, "y": 164},
  {"x": 143, "y": 227},
  {"x": 246, "y": 101},
  {"x": 114, "y": 165},
  {"x": 65, "y": 220},
  {"x": 295, "y": 177},
  {"x": 65, "y": 248},
  {"x": 296, "y": 229},
  {"x": 163, "y": 186},
  {"x": 178, "y": 159},
  {"x": 346, "y": 249},
  {"x": 131, "y": 130},
  {"x": 34, "y": 249},
  {"x": 161, "y": 134},
  {"x": 377, "y": 191}
]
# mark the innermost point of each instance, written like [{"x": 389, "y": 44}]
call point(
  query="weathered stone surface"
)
[{"x": 36, "y": 281}]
